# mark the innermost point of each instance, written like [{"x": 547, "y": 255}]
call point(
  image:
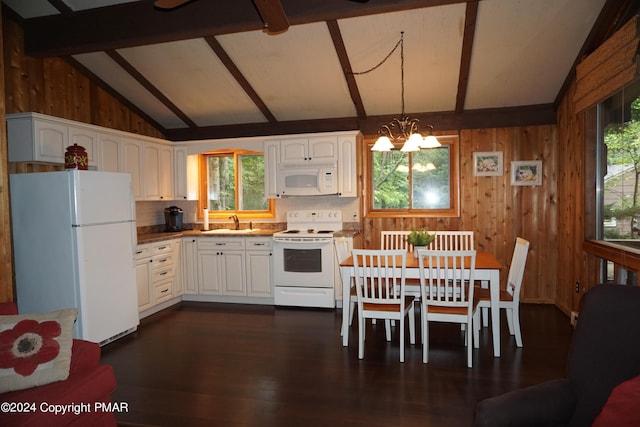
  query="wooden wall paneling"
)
[{"x": 6, "y": 263}]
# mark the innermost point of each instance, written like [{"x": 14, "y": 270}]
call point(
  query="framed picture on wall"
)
[
  {"x": 526, "y": 172},
  {"x": 488, "y": 163}
]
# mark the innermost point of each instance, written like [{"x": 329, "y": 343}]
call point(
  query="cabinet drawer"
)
[
  {"x": 163, "y": 292},
  {"x": 166, "y": 273},
  {"x": 258, "y": 243},
  {"x": 211, "y": 243},
  {"x": 162, "y": 247},
  {"x": 143, "y": 251},
  {"x": 162, "y": 261}
]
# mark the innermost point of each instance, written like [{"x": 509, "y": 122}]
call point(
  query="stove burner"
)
[
  {"x": 324, "y": 231},
  {"x": 291, "y": 231}
]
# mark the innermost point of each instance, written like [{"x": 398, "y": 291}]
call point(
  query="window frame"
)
[
  {"x": 453, "y": 142},
  {"x": 203, "y": 186}
]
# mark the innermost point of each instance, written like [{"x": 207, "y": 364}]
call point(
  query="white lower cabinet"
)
[
  {"x": 157, "y": 273},
  {"x": 259, "y": 256},
  {"x": 228, "y": 267}
]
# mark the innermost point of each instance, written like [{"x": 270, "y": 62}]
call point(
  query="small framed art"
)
[
  {"x": 488, "y": 163},
  {"x": 526, "y": 172}
]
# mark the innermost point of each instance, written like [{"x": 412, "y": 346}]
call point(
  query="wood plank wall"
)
[
  {"x": 497, "y": 212},
  {"x": 49, "y": 86}
]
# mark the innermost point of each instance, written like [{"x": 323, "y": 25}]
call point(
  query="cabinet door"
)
[
  {"x": 347, "y": 174},
  {"x": 259, "y": 273},
  {"x": 165, "y": 171},
  {"x": 132, "y": 163},
  {"x": 209, "y": 273},
  {"x": 323, "y": 150},
  {"x": 293, "y": 151},
  {"x": 190, "y": 264},
  {"x": 233, "y": 273},
  {"x": 51, "y": 141},
  {"x": 178, "y": 281},
  {"x": 151, "y": 160},
  {"x": 88, "y": 139},
  {"x": 110, "y": 157},
  {"x": 271, "y": 157},
  {"x": 143, "y": 281}
]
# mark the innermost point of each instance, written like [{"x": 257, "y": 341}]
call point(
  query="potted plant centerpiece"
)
[{"x": 420, "y": 239}]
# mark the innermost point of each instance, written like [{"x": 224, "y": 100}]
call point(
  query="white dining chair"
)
[
  {"x": 446, "y": 284},
  {"x": 380, "y": 288},
  {"x": 510, "y": 297},
  {"x": 342, "y": 252}
]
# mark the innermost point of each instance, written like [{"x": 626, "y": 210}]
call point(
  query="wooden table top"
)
[{"x": 484, "y": 261}]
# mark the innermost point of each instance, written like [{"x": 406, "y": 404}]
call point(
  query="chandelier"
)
[{"x": 404, "y": 129}]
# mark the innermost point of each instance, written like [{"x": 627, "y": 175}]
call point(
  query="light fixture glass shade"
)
[
  {"x": 430, "y": 141},
  {"x": 413, "y": 143},
  {"x": 382, "y": 144}
]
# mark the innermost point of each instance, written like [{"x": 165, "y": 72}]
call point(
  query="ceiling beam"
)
[
  {"x": 139, "y": 23},
  {"x": 240, "y": 78},
  {"x": 534, "y": 115},
  {"x": 345, "y": 64},
  {"x": 133, "y": 72},
  {"x": 471, "y": 16}
]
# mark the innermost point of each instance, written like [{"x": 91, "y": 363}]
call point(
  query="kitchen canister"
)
[{"x": 76, "y": 158}]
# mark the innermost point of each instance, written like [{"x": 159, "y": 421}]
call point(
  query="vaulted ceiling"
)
[{"x": 208, "y": 69}]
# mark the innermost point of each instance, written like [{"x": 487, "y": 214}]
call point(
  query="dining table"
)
[{"x": 487, "y": 271}]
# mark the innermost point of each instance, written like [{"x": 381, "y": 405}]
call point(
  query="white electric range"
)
[{"x": 304, "y": 259}]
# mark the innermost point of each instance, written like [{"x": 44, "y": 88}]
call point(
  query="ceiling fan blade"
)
[
  {"x": 273, "y": 15},
  {"x": 169, "y": 4}
]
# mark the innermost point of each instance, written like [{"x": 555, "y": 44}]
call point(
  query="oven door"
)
[{"x": 303, "y": 264}]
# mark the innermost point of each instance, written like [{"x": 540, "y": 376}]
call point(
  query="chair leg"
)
[
  {"x": 412, "y": 325},
  {"x": 516, "y": 326},
  {"x": 425, "y": 337},
  {"x": 401, "y": 340},
  {"x": 387, "y": 329},
  {"x": 469, "y": 343},
  {"x": 352, "y": 309},
  {"x": 476, "y": 329},
  {"x": 360, "y": 336}
]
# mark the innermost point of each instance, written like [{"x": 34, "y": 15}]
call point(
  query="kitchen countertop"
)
[{"x": 168, "y": 235}]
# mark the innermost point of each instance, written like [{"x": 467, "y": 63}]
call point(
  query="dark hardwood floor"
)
[{"x": 240, "y": 365}]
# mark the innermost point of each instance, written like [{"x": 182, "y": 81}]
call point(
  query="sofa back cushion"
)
[
  {"x": 605, "y": 349},
  {"x": 35, "y": 349}
]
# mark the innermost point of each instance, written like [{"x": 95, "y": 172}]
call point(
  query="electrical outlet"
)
[
  {"x": 355, "y": 216},
  {"x": 577, "y": 287},
  {"x": 574, "y": 318}
]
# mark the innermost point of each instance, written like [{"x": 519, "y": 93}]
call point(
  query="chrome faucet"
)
[{"x": 236, "y": 221}]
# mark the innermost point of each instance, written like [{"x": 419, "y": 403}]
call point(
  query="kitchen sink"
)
[{"x": 231, "y": 231}]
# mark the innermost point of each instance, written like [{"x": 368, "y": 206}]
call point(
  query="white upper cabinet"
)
[
  {"x": 132, "y": 163},
  {"x": 347, "y": 173},
  {"x": 32, "y": 137},
  {"x": 87, "y": 138},
  {"x": 185, "y": 174},
  {"x": 158, "y": 171},
  {"x": 110, "y": 155},
  {"x": 314, "y": 150},
  {"x": 271, "y": 157}
]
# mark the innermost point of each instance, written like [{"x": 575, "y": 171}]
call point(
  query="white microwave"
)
[{"x": 307, "y": 180}]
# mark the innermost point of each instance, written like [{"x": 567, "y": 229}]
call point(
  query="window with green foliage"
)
[
  {"x": 233, "y": 183},
  {"x": 422, "y": 182}
]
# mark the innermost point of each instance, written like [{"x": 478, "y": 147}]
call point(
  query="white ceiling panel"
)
[
  {"x": 195, "y": 80},
  {"x": 432, "y": 48},
  {"x": 523, "y": 50},
  {"x": 297, "y": 73},
  {"x": 112, "y": 74}
]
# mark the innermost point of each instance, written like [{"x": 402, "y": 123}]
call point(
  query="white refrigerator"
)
[{"x": 74, "y": 238}]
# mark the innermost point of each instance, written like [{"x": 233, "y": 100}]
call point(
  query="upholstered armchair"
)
[
  {"x": 83, "y": 395},
  {"x": 602, "y": 386}
]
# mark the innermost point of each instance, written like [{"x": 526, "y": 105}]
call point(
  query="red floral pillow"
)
[
  {"x": 35, "y": 349},
  {"x": 622, "y": 408}
]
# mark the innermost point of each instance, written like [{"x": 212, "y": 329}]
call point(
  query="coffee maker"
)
[{"x": 173, "y": 219}]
